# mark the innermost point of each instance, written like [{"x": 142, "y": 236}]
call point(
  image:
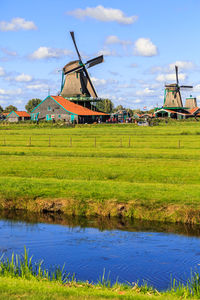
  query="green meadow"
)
[{"x": 150, "y": 173}]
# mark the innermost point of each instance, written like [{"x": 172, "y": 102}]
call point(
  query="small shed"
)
[
  {"x": 120, "y": 115},
  {"x": 16, "y": 116}
]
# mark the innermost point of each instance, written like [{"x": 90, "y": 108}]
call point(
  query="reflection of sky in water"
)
[{"x": 130, "y": 256}]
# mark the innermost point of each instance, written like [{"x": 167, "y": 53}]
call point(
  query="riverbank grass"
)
[{"x": 20, "y": 278}]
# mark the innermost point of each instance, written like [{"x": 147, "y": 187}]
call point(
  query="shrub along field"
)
[{"x": 144, "y": 172}]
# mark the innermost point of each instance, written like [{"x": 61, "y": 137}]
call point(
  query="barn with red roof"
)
[
  {"x": 59, "y": 108},
  {"x": 16, "y": 116}
]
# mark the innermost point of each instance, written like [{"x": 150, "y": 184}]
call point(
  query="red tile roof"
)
[
  {"x": 22, "y": 113},
  {"x": 193, "y": 110},
  {"x": 75, "y": 108}
]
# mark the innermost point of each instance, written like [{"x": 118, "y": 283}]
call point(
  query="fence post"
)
[{"x": 179, "y": 144}]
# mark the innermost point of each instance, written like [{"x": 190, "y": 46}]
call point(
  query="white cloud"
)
[
  {"x": 103, "y": 14},
  {"x": 2, "y": 71},
  {"x": 184, "y": 65},
  {"x": 2, "y": 101},
  {"x": 17, "y": 24},
  {"x": 113, "y": 39},
  {"x": 23, "y": 78},
  {"x": 145, "y": 47},
  {"x": 38, "y": 86},
  {"x": 157, "y": 69},
  {"x": 126, "y": 86},
  {"x": 8, "y": 52},
  {"x": 107, "y": 52},
  {"x": 170, "y": 77},
  {"x": 46, "y": 52},
  {"x": 18, "y": 102},
  {"x": 98, "y": 81},
  {"x": 196, "y": 88},
  {"x": 11, "y": 92},
  {"x": 144, "y": 92},
  {"x": 137, "y": 101}
]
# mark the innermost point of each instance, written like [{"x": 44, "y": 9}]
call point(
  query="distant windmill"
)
[
  {"x": 76, "y": 81},
  {"x": 173, "y": 94}
]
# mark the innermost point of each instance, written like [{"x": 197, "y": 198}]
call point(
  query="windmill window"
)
[{"x": 49, "y": 108}]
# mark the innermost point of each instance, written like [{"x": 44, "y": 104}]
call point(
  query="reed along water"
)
[{"x": 132, "y": 251}]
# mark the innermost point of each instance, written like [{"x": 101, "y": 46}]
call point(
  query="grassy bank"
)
[
  {"x": 20, "y": 278},
  {"x": 150, "y": 173}
]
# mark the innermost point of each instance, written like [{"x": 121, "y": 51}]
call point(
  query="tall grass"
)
[{"x": 23, "y": 267}]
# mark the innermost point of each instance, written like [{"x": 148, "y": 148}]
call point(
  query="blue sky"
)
[{"x": 141, "y": 40}]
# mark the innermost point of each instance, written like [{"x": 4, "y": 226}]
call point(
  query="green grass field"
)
[{"x": 144, "y": 172}]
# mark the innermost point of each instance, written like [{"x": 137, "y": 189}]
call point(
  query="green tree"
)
[
  {"x": 10, "y": 108},
  {"x": 32, "y": 104},
  {"x": 151, "y": 111},
  {"x": 105, "y": 105},
  {"x": 1, "y": 109},
  {"x": 119, "y": 107},
  {"x": 130, "y": 112}
]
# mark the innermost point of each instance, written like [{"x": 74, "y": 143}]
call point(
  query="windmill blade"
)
[
  {"x": 73, "y": 39},
  {"x": 90, "y": 86},
  {"x": 186, "y": 86},
  {"x": 95, "y": 61},
  {"x": 176, "y": 69},
  {"x": 74, "y": 70}
]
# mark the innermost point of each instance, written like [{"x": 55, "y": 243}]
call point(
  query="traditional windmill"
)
[
  {"x": 76, "y": 83},
  {"x": 172, "y": 93}
]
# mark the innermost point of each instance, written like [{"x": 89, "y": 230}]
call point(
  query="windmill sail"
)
[
  {"x": 172, "y": 93},
  {"x": 77, "y": 82},
  {"x": 173, "y": 96}
]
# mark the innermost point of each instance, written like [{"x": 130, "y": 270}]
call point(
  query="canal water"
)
[{"x": 130, "y": 250}]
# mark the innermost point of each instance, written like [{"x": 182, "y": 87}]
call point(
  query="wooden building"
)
[
  {"x": 174, "y": 114},
  {"x": 120, "y": 115},
  {"x": 191, "y": 102},
  {"x": 16, "y": 116},
  {"x": 58, "y": 108}
]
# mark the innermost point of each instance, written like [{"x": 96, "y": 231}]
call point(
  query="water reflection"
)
[{"x": 102, "y": 223}]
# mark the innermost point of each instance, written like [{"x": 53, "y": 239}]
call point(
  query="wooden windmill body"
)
[
  {"x": 173, "y": 95},
  {"x": 76, "y": 83},
  {"x": 191, "y": 102}
]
